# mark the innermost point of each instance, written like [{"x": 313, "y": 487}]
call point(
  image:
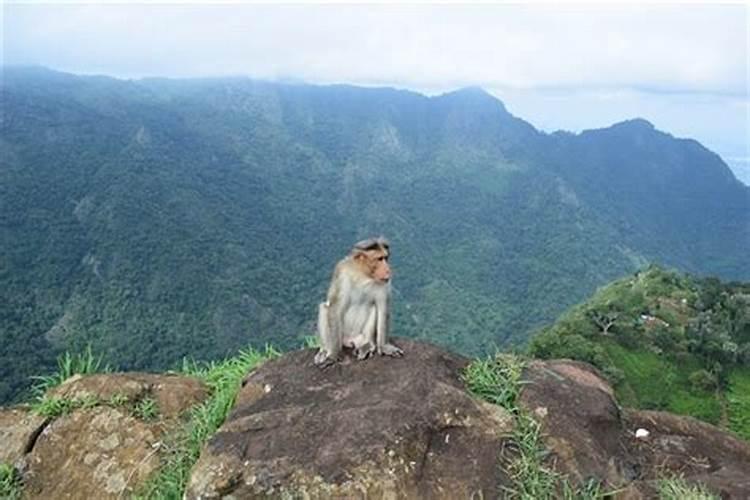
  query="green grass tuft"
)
[
  {"x": 676, "y": 488},
  {"x": 85, "y": 363},
  {"x": 53, "y": 406},
  {"x": 10, "y": 482},
  {"x": 497, "y": 379},
  {"x": 311, "y": 342},
  {"x": 182, "y": 448},
  {"x": 146, "y": 409}
]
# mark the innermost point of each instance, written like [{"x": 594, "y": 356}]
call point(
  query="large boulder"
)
[
  {"x": 688, "y": 448},
  {"x": 589, "y": 437},
  {"x": 96, "y": 453},
  {"x": 380, "y": 428},
  {"x": 105, "y": 450},
  {"x": 580, "y": 420}
]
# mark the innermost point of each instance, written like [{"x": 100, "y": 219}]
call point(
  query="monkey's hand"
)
[
  {"x": 390, "y": 350},
  {"x": 364, "y": 351},
  {"x": 323, "y": 360}
]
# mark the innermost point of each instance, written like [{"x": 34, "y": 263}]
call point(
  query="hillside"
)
[
  {"x": 161, "y": 218},
  {"x": 666, "y": 341}
]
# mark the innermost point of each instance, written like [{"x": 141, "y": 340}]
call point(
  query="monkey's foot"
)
[
  {"x": 390, "y": 350},
  {"x": 364, "y": 352},
  {"x": 323, "y": 360}
]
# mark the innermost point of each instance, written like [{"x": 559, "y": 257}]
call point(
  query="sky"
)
[{"x": 684, "y": 67}]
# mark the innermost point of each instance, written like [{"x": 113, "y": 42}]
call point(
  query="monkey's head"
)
[{"x": 372, "y": 256}]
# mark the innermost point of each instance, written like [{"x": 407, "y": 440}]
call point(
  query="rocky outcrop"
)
[
  {"x": 589, "y": 437},
  {"x": 692, "y": 449},
  {"x": 104, "y": 448},
  {"x": 581, "y": 422},
  {"x": 381, "y": 428}
]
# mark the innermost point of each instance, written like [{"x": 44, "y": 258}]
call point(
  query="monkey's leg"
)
[
  {"x": 364, "y": 343},
  {"x": 328, "y": 352},
  {"x": 384, "y": 348}
]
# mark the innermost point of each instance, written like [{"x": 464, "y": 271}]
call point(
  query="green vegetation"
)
[
  {"x": 498, "y": 380},
  {"x": 53, "y": 407},
  {"x": 68, "y": 365},
  {"x": 182, "y": 448},
  {"x": 159, "y": 219},
  {"x": 10, "y": 482},
  {"x": 666, "y": 341},
  {"x": 677, "y": 489},
  {"x": 738, "y": 400},
  {"x": 146, "y": 409}
]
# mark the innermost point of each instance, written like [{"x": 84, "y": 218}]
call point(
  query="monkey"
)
[{"x": 356, "y": 313}]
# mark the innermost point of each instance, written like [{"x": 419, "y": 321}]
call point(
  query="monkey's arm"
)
[{"x": 384, "y": 316}]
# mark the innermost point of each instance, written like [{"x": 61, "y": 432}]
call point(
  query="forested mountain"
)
[
  {"x": 666, "y": 341},
  {"x": 161, "y": 218}
]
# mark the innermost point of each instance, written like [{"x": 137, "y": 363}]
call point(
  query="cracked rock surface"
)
[
  {"x": 103, "y": 451},
  {"x": 379, "y": 428}
]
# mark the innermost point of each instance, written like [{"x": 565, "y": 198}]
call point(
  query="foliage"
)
[
  {"x": 703, "y": 380},
  {"x": 182, "y": 448},
  {"x": 738, "y": 401},
  {"x": 10, "y": 482},
  {"x": 676, "y": 342}
]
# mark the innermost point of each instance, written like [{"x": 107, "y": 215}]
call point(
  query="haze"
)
[{"x": 573, "y": 67}]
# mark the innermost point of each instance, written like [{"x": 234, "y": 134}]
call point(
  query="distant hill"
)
[
  {"x": 666, "y": 341},
  {"x": 161, "y": 218}
]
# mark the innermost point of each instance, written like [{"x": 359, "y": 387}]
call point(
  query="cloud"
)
[
  {"x": 689, "y": 48},
  {"x": 682, "y": 66}
]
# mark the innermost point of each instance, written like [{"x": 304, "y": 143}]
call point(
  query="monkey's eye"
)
[{"x": 382, "y": 258}]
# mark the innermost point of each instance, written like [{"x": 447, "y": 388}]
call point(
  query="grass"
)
[
  {"x": 53, "y": 407},
  {"x": 738, "y": 402},
  {"x": 85, "y": 363},
  {"x": 182, "y": 449},
  {"x": 676, "y": 488},
  {"x": 10, "y": 482},
  {"x": 498, "y": 381},
  {"x": 146, "y": 409},
  {"x": 658, "y": 383}
]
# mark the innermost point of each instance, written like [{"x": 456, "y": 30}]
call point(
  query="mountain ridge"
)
[{"x": 189, "y": 217}]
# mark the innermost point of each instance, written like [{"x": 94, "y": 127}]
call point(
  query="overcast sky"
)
[{"x": 684, "y": 67}]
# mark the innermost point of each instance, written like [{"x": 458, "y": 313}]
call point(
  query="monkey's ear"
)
[
  {"x": 367, "y": 244},
  {"x": 358, "y": 253}
]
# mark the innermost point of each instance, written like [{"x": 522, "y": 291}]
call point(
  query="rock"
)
[
  {"x": 101, "y": 452},
  {"x": 173, "y": 394},
  {"x": 98, "y": 453},
  {"x": 380, "y": 428},
  {"x": 694, "y": 450},
  {"x": 580, "y": 420},
  {"x": 589, "y": 438},
  {"x": 19, "y": 428}
]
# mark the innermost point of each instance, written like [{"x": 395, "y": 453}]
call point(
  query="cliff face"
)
[{"x": 382, "y": 428}]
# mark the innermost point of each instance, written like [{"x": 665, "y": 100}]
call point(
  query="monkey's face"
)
[{"x": 375, "y": 264}]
